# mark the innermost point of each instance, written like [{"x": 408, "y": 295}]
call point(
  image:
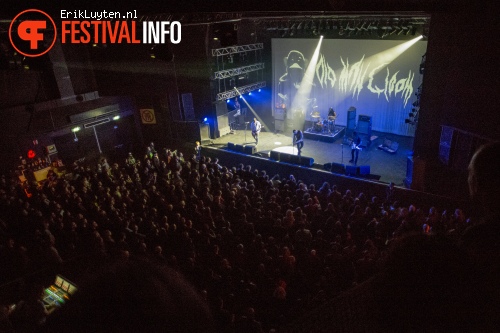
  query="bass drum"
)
[{"x": 318, "y": 127}]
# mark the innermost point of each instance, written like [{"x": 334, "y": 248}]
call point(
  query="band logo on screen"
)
[
  {"x": 350, "y": 78},
  {"x": 33, "y": 32}
]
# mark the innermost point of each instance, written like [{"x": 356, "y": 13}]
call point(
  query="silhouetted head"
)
[{"x": 484, "y": 178}]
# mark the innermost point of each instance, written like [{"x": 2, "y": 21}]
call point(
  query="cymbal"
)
[{"x": 315, "y": 116}]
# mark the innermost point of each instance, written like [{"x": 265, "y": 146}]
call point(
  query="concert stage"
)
[{"x": 390, "y": 167}]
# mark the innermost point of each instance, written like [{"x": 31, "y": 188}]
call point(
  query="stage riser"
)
[{"x": 324, "y": 138}]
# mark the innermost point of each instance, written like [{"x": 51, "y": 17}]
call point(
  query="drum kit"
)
[{"x": 326, "y": 126}]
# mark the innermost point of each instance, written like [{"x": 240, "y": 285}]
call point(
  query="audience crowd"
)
[{"x": 259, "y": 249}]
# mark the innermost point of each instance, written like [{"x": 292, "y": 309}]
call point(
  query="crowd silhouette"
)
[{"x": 249, "y": 252}]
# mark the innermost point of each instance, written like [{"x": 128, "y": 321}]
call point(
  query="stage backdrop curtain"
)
[{"x": 359, "y": 73}]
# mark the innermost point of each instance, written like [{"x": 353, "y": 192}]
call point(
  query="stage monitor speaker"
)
[
  {"x": 338, "y": 168},
  {"x": 306, "y": 161},
  {"x": 301, "y": 160},
  {"x": 247, "y": 149},
  {"x": 287, "y": 158},
  {"x": 351, "y": 170},
  {"x": 240, "y": 148},
  {"x": 294, "y": 159},
  {"x": 275, "y": 155},
  {"x": 231, "y": 146},
  {"x": 327, "y": 166},
  {"x": 364, "y": 170}
]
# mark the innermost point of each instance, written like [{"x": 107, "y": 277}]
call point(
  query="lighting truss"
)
[
  {"x": 237, "y": 49},
  {"x": 240, "y": 90},
  {"x": 227, "y": 73}
]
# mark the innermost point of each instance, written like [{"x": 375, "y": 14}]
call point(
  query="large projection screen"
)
[{"x": 379, "y": 78}]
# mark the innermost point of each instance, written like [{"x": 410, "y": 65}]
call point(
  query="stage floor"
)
[{"x": 390, "y": 167}]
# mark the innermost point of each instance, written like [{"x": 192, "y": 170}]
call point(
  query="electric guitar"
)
[
  {"x": 355, "y": 146},
  {"x": 257, "y": 131}
]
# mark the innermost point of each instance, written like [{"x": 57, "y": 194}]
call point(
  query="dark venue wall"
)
[{"x": 459, "y": 89}]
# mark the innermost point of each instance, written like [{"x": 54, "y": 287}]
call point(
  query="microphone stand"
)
[
  {"x": 342, "y": 161},
  {"x": 246, "y": 124}
]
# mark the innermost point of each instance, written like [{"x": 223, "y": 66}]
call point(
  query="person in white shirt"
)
[{"x": 255, "y": 126}]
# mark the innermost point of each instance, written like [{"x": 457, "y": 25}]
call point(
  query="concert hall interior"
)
[
  {"x": 381, "y": 92},
  {"x": 287, "y": 69}
]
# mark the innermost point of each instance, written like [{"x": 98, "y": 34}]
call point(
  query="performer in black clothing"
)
[
  {"x": 298, "y": 138},
  {"x": 332, "y": 115},
  {"x": 356, "y": 141}
]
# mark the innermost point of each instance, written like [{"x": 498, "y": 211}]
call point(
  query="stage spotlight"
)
[
  {"x": 416, "y": 104},
  {"x": 205, "y": 119},
  {"x": 75, "y": 129},
  {"x": 227, "y": 101},
  {"x": 422, "y": 68},
  {"x": 260, "y": 90},
  {"x": 116, "y": 117},
  {"x": 410, "y": 114},
  {"x": 250, "y": 93}
]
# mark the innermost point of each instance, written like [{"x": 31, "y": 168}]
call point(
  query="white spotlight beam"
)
[
  {"x": 300, "y": 100},
  {"x": 382, "y": 59},
  {"x": 251, "y": 109}
]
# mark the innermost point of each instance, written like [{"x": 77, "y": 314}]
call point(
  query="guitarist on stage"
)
[
  {"x": 298, "y": 139},
  {"x": 356, "y": 141},
  {"x": 255, "y": 126}
]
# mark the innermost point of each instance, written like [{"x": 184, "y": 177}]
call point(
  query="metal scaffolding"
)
[
  {"x": 227, "y": 73},
  {"x": 236, "y": 49},
  {"x": 240, "y": 90}
]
